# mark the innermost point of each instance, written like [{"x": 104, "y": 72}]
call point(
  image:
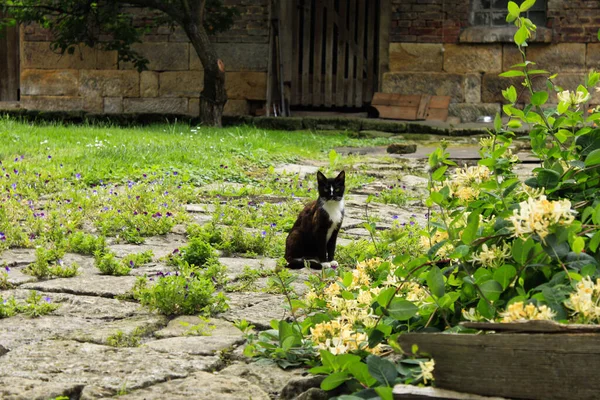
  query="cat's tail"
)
[{"x": 299, "y": 263}]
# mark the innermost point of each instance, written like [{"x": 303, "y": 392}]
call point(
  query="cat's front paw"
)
[{"x": 326, "y": 265}]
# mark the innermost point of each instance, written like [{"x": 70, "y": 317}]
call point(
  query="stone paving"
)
[{"x": 67, "y": 352}]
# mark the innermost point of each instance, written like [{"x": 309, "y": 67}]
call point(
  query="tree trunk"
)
[{"x": 214, "y": 95}]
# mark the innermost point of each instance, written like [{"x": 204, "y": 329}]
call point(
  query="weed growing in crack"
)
[
  {"x": 120, "y": 339},
  {"x": 246, "y": 281},
  {"x": 202, "y": 328},
  {"x": 35, "y": 305},
  {"x": 83, "y": 243},
  {"x": 49, "y": 262},
  {"x": 190, "y": 290}
]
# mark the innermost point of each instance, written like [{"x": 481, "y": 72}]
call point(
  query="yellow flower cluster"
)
[
  {"x": 584, "y": 301},
  {"x": 464, "y": 183},
  {"x": 538, "y": 216},
  {"x": 427, "y": 368},
  {"x": 492, "y": 256},
  {"x": 437, "y": 237},
  {"x": 339, "y": 337},
  {"x": 519, "y": 312}
]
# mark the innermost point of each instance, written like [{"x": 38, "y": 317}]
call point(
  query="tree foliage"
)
[{"x": 108, "y": 25}]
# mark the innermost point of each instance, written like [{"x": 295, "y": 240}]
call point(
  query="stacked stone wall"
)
[
  {"x": 92, "y": 80},
  {"x": 444, "y": 58}
]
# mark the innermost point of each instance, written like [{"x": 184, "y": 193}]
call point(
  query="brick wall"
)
[
  {"x": 93, "y": 81},
  {"x": 428, "y": 54}
]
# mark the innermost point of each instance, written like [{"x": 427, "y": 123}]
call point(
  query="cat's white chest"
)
[{"x": 335, "y": 210}]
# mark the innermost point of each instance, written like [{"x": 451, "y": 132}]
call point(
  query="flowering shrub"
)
[{"x": 494, "y": 248}]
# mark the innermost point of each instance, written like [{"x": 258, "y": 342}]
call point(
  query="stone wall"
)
[
  {"x": 93, "y": 80},
  {"x": 434, "y": 50}
]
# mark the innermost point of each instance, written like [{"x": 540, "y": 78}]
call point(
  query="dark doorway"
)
[
  {"x": 9, "y": 64},
  {"x": 334, "y": 52}
]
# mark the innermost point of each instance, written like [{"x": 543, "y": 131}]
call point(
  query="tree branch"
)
[{"x": 169, "y": 9}]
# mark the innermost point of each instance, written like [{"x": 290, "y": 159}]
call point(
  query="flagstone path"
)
[{"x": 67, "y": 353}]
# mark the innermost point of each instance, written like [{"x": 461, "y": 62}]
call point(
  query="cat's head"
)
[{"x": 331, "y": 188}]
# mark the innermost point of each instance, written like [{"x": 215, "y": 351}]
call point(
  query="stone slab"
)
[
  {"x": 181, "y": 83},
  {"x": 247, "y": 85},
  {"x": 270, "y": 378},
  {"x": 109, "y": 83},
  {"x": 416, "y": 57},
  {"x": 469, "y": 112},
  {"x": 563, "y": 57},
  {"x": 52, "y": 362},
  {"x": 222, "y": 337},
  {"x": 90, "y": 285},
  {"x": 156, "y": 105},
  {"x": 201, "y": 386},
  {"x": 149, "y": 84},
  {"x": 52, "y": 103},
  {"x": 39, "y": 55},
  {"x": 292, "y": 169},
  {"x": 461, "y": 58},
  {"x": 161, "y": 246},
  {"x": 235, "y": 266},
  {"x": 257, "y": 308},
  {"x": 433, "y": 83},
  {"x": 40, "y": 82},
  {"x": 163, "y": 56}
]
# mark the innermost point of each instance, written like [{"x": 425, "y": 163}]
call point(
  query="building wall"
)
[
  {"x": 93, "y": 81},
  {"x": 433, "y": 49}
]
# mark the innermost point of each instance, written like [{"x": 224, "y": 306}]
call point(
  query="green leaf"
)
[
  {"x": 598, "y": 34},
  {"x": 383, "y": 370},
  {"x": 435, "y": 281},
  {"x": 491, "y": 290},
  {"x": 595, "y": 241},
  {"x": 526, "y": 5},
  {"x": 513, "y": 9},
  {"x": 385, "y": 392},
  {"x": 593, "y": 158},
  {"x": 485, "y": 309},
  {"x": 578, "y": 244},
  {"x": 511, "y": 74},
  {"x": 438, "y": 174},
  {"x": 521, "y": 35},
  {"x": 385, "y": 296},
  {"x": 334, "y": 380},
  {"x": 360, "y": 371},
  {"x": 539, "y": 98},
  {"x": 562, "y": 107},
  {"x": 504, "y": 275},
  {"x": 497, "y": 122},
  {"x": 401, "y": 309},
  {"x": 548, "y": 178},
  {"x": 328, "y": 359},
  {"x": 470, "y": 231},
  {"x": 510, "y": 94}
]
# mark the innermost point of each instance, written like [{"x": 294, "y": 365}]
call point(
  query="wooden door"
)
[
  {"x": 333, "y": 52},
  {"x": 9, "y": 64}
]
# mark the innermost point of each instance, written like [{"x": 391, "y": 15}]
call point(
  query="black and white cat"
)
[{"x": 313, "y": 237}]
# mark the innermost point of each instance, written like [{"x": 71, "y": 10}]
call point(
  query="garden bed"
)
[{"x": 532, "y": 360}]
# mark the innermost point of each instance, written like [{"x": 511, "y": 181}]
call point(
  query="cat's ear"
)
[
  {"x": 321, "y": 178},
  {"x": 341, "y": 177}
]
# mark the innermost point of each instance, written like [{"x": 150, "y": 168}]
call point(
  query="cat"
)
[{"x": 314, "y": 234}]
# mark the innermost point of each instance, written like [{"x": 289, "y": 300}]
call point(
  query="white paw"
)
[
  {"x": 326, "y": 265},
  {"x": 334, "y": 264}
]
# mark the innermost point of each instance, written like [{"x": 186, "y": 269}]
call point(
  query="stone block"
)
[
  {"x": 593, "y": 56},
  {"x": 156, "y": 106},
  {"x": 38, "y": 55},
  {"x": 246, "y": 85},
  {"x": 163, "y": 56},
  {"x": 461, "y": 58},
  {"x": 236, "y": 107},
  {"x": 416, "y": 57},
  {"x": 110, "y": 83},
  {"x": 194, "y": 107},
  {"x": 52, "y": 103},
  {"x": 93, "y": 103},
  {"x": 472, "y": 88},
  {"x": 559, "y": 57},
  {"x": 434, "y": 83},
  {"x": 468, "y": 112},
  {"x": 237, "y": 56},
  {"x": 113, "y": 105},
  {"x": 106, "y": 60},
  {"x": 181, "y": 84},
  {"x": 36, "y": 82},
  {"x": 149, "y": 84}
]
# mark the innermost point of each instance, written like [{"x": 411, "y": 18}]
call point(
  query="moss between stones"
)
[{"x": 383, "y": 126}]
